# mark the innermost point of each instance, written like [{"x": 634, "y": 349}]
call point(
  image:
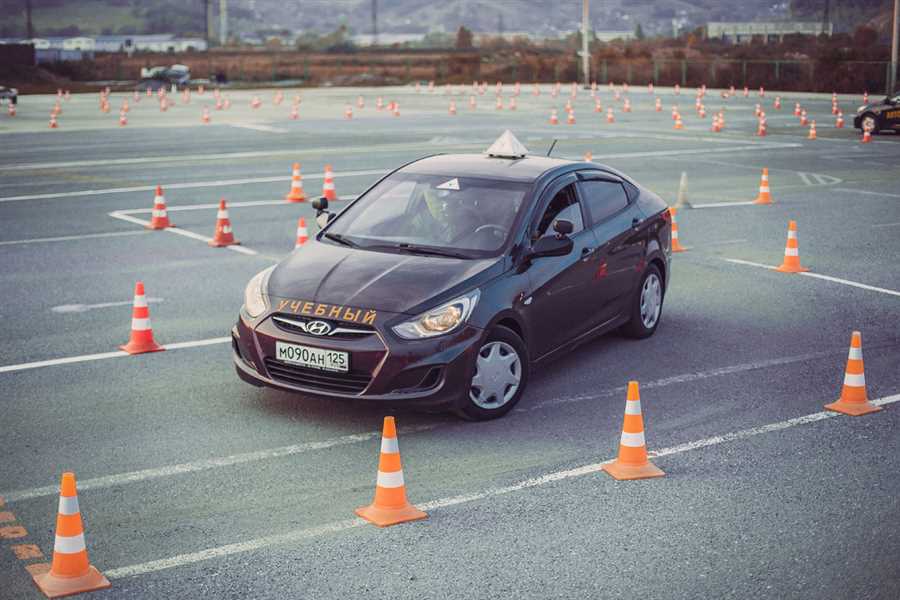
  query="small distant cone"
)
[
  {"x": 224, "y": 236},
  {"x": 570, "y": 118},
  {"x": 791, "y": 262},
  {"x": 348, "y": 112},
  {"x": 854, "y": 400},
  {"x": 11, "y": 109},
  {"x": 296, "y": 194},
  {"x": 302, "y": 233},
  {"x": 512, "y": 103},
  {"x": 761, "y": 129},
  {"x": 588, "y": 156},
  {"x": 678, "y": 123},
  {"x": 627, "y": 106},
  {"x": 839, "y": 122},
  {"x": 632, "y": 462},
  {"x": 141, "y": 340},
  {"x": 797, "y": 109},
  {"x": 53, "y": 123},
  {"x": 764, "y": 197},
  {"x": 71, "y": 572},
  {"x": 396, "y": 111},
  {"x": 328, "y": 190},
  {"x": 451, "y": 109},
  {"x": 499, "y": 104},
  {"x": 123, "y": 119},
  {"x": 803, "y": 118},
  {"x": 867, "y": 136},
  {"x": 204, "y": 116},
  {"x": 160, "y": 218},
  {"x": 256, "y": 102},
  {"x": 472, "y": 103},
  {"x": 777, "y": 103},
  {"x": 360, "y": 102},
  {"x": 676, "y": 244},
  {"x": 682, "y": 201},
  {"x": 598, "y": 107},
  {"x": 658, "y": 105},
  {"x": 610, "y": 116},
  {"x": 812, "y": 130},
  {"x": 715, "y": 124},
  {"x": 554, "y": 118},
  {"x": 702, "y": 112},
  {"x": 390, "y": 505}
]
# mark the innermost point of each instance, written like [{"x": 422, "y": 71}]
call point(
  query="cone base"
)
[
  {"x": 132, "y": 348},
  {"x": 290, "y": 199},
  {"x": 158, "y": 227},
  {"x": 786, "y": 269},
  {"x": 854, "y": 409},
  {"x": 762, "y": 200},
  {"x": 217, "y": 244},
  {"x": 54, "y": 586},
  {"x": 385, "y": 517},
  {"x": 622, "y": 471},
  {"x": 678, "y": 248}
]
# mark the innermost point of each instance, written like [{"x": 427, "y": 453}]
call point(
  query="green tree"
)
[
  {"x": 639, "y": 32},
  {"x": 463, "y": 38}
]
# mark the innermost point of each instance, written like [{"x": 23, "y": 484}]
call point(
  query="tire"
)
[
  {"x": 862, "y": 123},
  {"x": 501, "y": 342},
  {"x": 637, "y": 326}
]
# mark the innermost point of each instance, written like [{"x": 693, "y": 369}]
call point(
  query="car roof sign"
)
[
  {"x": 507, "y": 146},
  {"x": 453, "y": 184}
]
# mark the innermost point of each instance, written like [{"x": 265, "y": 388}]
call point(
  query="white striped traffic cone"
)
[{"x": 141, "y": 339}]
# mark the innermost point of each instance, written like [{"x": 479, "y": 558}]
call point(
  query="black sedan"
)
[
  {"x": 879, "y": 116},
  {"x": 445, "y": 282}
]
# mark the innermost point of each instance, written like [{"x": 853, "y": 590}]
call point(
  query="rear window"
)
[{"x": 603, "y": 199}]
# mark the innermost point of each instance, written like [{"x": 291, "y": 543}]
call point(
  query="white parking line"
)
[
  {"x": 104, "y": 355},
  {"x": 868, "y": 193},
  {"x": 204, "y": 465},
  {"x": 337, "y": 526},
  {"x": 258, "y": 127},
  {"x": 885, "y": 224},
  {"x": 722, "y": 204},
  {"x": 856, "y": 284},
  {"x": 66, "y": 238},
  {"x": 184, "y": 186},
  {"x": 80, "y": 308},
  {"x": 179, "y": 231}
]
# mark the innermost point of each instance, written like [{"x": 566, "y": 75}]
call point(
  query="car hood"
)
[{"x": 392, "y": 282}]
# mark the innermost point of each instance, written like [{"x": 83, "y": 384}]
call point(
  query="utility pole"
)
[
  {"x": 374, "y": 22},
  {"x": 210, "y": 22},
  {"x": 29, "y": 27},
  {"x": 223, "y": 22},
  {"x": 585, "y": 55},
  {"x": 895, "y": 41}
]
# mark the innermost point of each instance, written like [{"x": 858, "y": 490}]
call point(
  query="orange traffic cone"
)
[
  {"x": 839, "y": 122},
  {"x": 764, "y": 197},
  {"x": 123, "y": 118},
  {"x": 160, "y": 218},
  {"x": 224, "y": 236},
  {"x": 812, "y": 130},
  {"x": 452, "y": 108},
  {"x": 853, "y": 400},
  {"x": 296, "y": 194},
  {"x": 396, "y": 111},
  {"x": 570, "y": 119},
  {"x": 791, "y": 262},
  {"x": 610, "y": 116},
  {"x": 554, "y": 119},
  {"x": 141, "y": 340},
  {"x": 588, "y": 156},
  {"x": 658, "y": 105},
  {"x": 204, "y": 116},
  {"x": 632, "y": 461},
  {"x": 53, "y": 123},
  {"x": 328, "y": 184},
  {"x": 71, "y": 572},
  {"x": 676, "y": 245},
  {"x": 390, "y": 505},
  {"x": 866, "y": 138},
  {"x": 678, "y": 123},
  {"x": 302, "y": 233},
  {"x": 348, "y": 112}
]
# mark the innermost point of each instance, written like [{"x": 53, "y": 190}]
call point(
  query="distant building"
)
[
  {"x": 767, "y": 31},
  {"x": 78, "y": 43},
  {"x": 386, "y": 39},
  {"x": 610, "y": 35}
]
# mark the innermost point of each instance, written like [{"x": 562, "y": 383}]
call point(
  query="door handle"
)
[
  {"x": 586, "y": 250},
  {"x": 635, "y": 222}
]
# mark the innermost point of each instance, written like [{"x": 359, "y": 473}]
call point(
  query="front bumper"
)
[{"x": 425, "y": 373}]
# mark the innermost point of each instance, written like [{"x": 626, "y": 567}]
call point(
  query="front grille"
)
[
  {"x": 352, "y": 383},
  {"x": 341, "y": 330}
]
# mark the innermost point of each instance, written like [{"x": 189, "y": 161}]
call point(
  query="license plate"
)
[{"x": 314, "y": 358}]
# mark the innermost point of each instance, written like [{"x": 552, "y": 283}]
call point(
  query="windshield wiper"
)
[
  {"x": 340, "y": 239},
  {"x": 429, "y": 250}
]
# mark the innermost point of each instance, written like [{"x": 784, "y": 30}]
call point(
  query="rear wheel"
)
[
  {"x": 499, "y": 377},
  {"x": 646, "y": 306},
  {"x": 869, "y": 122}
]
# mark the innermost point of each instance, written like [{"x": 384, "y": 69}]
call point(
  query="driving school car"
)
[
  {"x": 878, "y": 116},
  {"x": 445, "y": 282}
]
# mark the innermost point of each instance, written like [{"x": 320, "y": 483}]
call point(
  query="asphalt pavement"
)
[{"x": 194, "y": 484}]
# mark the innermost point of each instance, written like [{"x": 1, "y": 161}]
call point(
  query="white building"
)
[
  {"x": 79, "y": 43},
  {"x": 770, "y": 31}
]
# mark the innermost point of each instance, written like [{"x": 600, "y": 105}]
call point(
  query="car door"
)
[
  {"x": 558, "y": 303},
  {"x": 618, "y": 226},
  {"x": 892, "y": 114}
]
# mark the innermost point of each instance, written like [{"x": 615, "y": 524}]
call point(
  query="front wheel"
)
[
  {"x": 869, "y": 122},
  {"x": 646, "y": 307},
  {"x": 498, "y": 379}
]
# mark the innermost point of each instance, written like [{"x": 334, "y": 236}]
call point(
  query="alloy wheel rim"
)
[
  {"x": 498, "y": 374},
  {"x": 651, "y": 301}
]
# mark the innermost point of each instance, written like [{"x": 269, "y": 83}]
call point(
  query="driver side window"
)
[{"x": 563, "y": 206}]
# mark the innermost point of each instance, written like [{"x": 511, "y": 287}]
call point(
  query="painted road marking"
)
[
  {"x": 215, "y": 205},
  {"x": 104, "y": 355},
  {"x": 818, "y": 179},
  {"x": 862, "y": 286},
  {"x": 885, "y": 224},
  {"x": 66, "y": 238},
  {"x": 722, "y": 204},
  {"x": 185, "y": 185},
  {"x": 869, "y": 193},
  {"x": 183, "y": 232},
  {"x": 79, "y": 308},
  {"x": 224, "y": 461},
  {"x": 204, "y": 465},
  {"x": 547, "y": 478},
  {"x": 258, "y": 127}
]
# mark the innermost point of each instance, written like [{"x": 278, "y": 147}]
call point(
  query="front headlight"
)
[
  {"x": 438, "y": 321},
  {"x": 861, "y": 108},
  {"x": 254, "y": 294}
]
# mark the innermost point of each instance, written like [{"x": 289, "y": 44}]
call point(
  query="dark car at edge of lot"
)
[
  {"x": 442, "y": 285},
  {"x": 878, "y": 116}
]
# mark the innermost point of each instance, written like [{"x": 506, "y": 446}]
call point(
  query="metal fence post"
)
[
  {"x": 604, "y": 66},
  {"x": 628, "y": 73},
  {"x": 744, "y": 72},
  {"x": 684, "y": 72},
  {"x": 777, "y": 70},
  {"x": 655, "y": 73}
]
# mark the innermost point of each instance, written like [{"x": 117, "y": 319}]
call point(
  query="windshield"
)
[{"x": 414, "y": 212}]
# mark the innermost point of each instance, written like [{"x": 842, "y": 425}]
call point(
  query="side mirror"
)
[
  {"x": 320, "y": 203},
  {"x": 563, "y": 227},
  {"x": 552, "y": 246},
  {"x": 323, "y": 217}
]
